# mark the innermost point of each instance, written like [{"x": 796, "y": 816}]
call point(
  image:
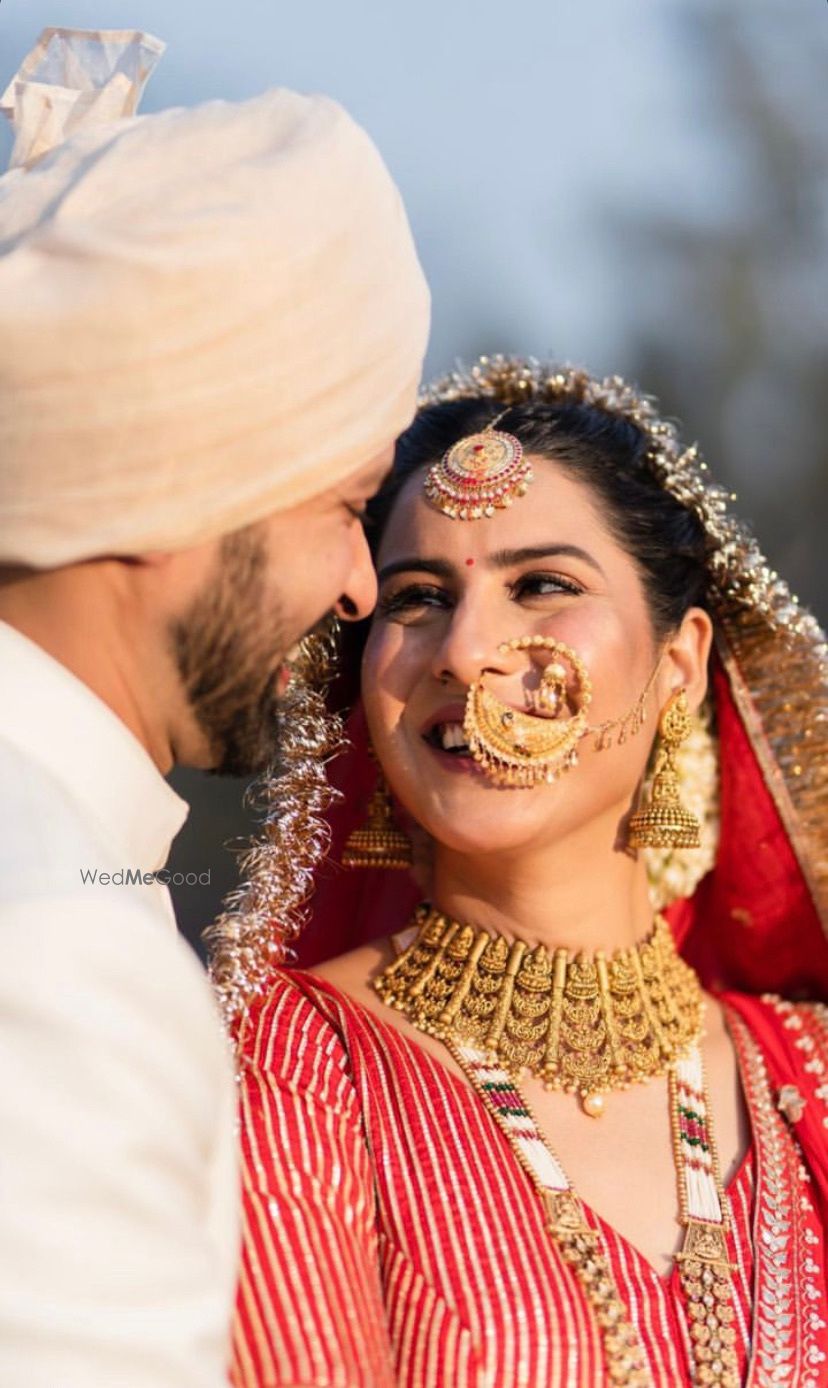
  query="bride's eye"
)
[
  {"x": 412, "y": 601},
  {"x": 544, "y": 585}
]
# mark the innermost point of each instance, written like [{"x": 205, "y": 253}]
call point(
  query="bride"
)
[{"x": 556, "y": 1125}]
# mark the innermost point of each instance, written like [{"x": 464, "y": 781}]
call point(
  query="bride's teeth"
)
[{"x": 452, "y": 736}]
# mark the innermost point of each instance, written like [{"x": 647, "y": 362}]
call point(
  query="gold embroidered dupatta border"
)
[
  {"x": 786, "y": 1289},
  {"x": 779, "y": 686}
]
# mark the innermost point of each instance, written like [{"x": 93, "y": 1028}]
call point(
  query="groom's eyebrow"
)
[{"x": 439, "y": 567}]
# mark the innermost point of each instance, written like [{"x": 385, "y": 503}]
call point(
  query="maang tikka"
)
[{"x": 479, "y": 474}]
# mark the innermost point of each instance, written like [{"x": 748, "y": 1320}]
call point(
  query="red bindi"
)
[{"x": 469, "y": 562}]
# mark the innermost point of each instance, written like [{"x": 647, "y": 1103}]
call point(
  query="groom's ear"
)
[{"x": 169, "y": 580}]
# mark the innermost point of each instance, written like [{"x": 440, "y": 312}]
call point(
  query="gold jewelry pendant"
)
[
  {"x": 379, "y": 842},
  {"x": 479, "y": 475},
  {"x": 589, "y": 1026},
  {"x": 525, "y": 749},
  {"x": 665, "y": 822}
]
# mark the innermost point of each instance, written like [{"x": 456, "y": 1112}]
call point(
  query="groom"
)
[{"x": 212, "y": 323}]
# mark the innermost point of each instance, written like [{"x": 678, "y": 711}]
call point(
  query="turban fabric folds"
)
[{"x": 206, "y": 315}]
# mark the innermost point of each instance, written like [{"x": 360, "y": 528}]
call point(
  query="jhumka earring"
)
[
  {"x": 379, "y": 842},
  {"x": 525, "y": 749},
  {"x": 478, "y": 475},
  {"x": 664, "y": 822}
]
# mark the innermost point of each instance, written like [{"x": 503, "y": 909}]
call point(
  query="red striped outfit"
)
[{"x": 392, "y": 1238}]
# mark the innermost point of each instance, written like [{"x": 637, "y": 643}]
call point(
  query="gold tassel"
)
[
  {"x": 379, "y": 843},
  {"x": 664, "y": 822}
]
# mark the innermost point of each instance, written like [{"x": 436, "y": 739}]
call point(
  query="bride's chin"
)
[
  {"x": 483, "y": 847},
  {"x": 460, "y": 807},
  {"x": 477, "y": 824}
]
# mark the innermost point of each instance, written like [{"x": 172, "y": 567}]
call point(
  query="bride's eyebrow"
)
[
  {"x": 508, "y": 558},
  {"x": 500, "y": 559},
  {"x": 438, "y": 567}
]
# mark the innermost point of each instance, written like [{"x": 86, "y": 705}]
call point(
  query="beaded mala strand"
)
[{"x": 704, "y": 1266}]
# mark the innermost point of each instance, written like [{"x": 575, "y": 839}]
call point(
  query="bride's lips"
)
[
  {"x": 453, "y": 762},
  {"x": 456, "y": 762},
  {"x": 455, "y": 713},
  {"x": 449, "y": 713}
]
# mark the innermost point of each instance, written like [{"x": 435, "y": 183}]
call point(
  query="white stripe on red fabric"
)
[{"x": 392, "y": 1239}]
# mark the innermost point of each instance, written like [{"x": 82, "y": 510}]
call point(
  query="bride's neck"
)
[{"x": 572, "y": 894}]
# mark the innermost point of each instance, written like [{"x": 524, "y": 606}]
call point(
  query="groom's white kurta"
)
[{"x": 117, "y": 1174}]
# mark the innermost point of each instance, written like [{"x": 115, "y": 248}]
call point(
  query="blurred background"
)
[{"x": 634, "y": 188}]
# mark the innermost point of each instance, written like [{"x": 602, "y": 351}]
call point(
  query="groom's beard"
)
[
  {"x": 289, "y": 738},
  {"x": 229, "y": 650}
]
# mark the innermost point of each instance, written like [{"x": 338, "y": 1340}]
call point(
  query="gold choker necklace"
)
[{"x": 588, "y": 1026}]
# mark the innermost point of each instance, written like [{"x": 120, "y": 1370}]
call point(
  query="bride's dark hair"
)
[{"x": 605, "y": 452}]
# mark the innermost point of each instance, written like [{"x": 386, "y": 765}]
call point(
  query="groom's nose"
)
[{"x": 360, "y": 595}]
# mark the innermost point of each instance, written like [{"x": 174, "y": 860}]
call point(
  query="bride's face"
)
[{"x": 450, "y": 592}]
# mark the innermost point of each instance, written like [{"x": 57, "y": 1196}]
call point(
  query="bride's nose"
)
[{"x": 470, "y": 645}]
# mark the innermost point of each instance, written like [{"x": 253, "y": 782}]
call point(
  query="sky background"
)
[
  {"x": 635, "y": 187},
  {"x": 521, "y": 136}
]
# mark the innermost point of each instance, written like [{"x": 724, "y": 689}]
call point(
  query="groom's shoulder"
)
[
  {"x": 111, "y": 967},
  {"x": 79, "y": 956},
  {"x": 103, "y": 1002},
  {"x": 46, "y": 844}
]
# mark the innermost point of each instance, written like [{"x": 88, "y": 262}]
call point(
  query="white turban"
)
[{"x": 206, "y": 315}]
